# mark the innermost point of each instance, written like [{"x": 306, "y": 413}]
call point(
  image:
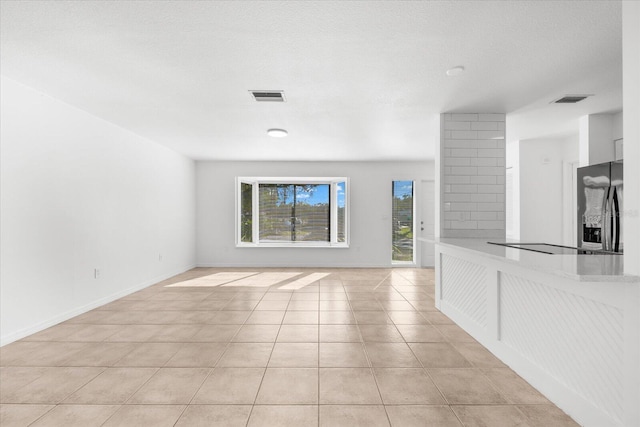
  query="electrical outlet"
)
[{"x": 96, "y": 273}]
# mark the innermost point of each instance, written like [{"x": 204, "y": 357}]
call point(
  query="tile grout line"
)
[
  {"x": 426, "y": 371},
  {"x": 212, "y": 369},
  {"x": 264, "y": 373},
  {"x": 405, "y": 341}
]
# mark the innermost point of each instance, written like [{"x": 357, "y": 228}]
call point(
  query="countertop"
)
[{"x": 586, "y": 268}]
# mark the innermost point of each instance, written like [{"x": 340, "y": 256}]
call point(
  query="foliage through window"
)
[
  {"x": 292, "y": 211},
  {"x": 402, "y": 216}
]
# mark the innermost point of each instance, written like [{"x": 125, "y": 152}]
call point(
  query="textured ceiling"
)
[{"x": 364, "y": 80}]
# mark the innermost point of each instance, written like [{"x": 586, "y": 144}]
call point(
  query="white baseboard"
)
[
  {"x": 291, "y": 265},
  {"x": 40, "y": 326}
]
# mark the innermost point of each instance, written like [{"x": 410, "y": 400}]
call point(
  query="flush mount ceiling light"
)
[
  {"x": 277, "y": 133},
  {"x": 455, "y": 71}
]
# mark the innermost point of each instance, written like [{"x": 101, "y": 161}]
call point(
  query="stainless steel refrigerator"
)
[{"x": 600, "y": 206}]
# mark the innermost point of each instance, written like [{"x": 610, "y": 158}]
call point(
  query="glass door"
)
[{"x": 403, "y": 241}]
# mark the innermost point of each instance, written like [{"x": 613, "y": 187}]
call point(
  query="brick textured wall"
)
[{"x": 472, "y": 175}]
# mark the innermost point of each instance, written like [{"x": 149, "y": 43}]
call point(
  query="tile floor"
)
[{"x": 234, "y": 347}]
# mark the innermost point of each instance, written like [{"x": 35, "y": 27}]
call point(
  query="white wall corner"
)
[
  {"x": 618, "y": 125},
  {"x": 512, "y": 191},
  {"x": 437, "y": 173},
  {"x": 596, "y": 139}
]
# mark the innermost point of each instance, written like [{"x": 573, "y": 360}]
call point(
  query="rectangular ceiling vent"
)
[
  {"x": 268, "y": 95},
  {"x": 570, "y": 99}
]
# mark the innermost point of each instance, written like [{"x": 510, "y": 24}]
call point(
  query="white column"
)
[
  {"x": 472, "y": 171},
  {"x": 512, "y": 190},
  {"x": 631, "y": 131}
]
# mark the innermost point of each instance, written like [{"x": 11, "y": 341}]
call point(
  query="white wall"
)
[
  {"x": 541, "y": 189},
  {"x": 79, "y": 193},
  {"x": 617, "y": 126},
  {"x": 370, "y": 204}
]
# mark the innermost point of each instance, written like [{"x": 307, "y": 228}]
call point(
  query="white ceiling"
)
[{"x": 364, "y": 80}]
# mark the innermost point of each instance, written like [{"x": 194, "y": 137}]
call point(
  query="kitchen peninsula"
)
[{"x": 568, "y": 324}]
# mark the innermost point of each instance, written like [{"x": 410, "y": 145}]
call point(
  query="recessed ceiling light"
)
[
  {"x": 277, "y": 133},
  {"x": 455, "y": 71}
]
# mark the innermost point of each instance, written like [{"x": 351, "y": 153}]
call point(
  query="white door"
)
[{"x": 426, "y": 227}]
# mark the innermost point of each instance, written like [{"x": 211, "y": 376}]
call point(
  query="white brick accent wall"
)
[{"x": 472, "y": 175}]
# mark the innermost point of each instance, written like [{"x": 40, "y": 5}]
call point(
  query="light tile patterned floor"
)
[{"x": 267, "y": 347}]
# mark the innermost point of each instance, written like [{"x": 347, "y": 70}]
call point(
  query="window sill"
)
[
  {"x": 403, "y": 263},
  {"x": 293, "y": 245}
]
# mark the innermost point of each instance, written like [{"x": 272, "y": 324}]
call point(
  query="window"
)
[
  {"x": 246, "y": 212},
  {"x": 292, "y": 212},
  {"x": 402, "y": 220}
]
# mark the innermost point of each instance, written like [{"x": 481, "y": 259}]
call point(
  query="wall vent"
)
[
  {"x": 268, "y": 95},
  {"x": 570, "y": 99}
]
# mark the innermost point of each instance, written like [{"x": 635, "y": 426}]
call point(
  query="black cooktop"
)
[{"x": 547, "y": 248}]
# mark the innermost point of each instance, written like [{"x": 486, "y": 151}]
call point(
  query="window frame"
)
[{"x": 255, "y": 211}]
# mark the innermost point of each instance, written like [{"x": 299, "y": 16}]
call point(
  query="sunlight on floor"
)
[
  {"x": 211, "y": 280},
  {"x": 304, "y": 281},
  {"x": 252, "y": 279},
  {"x": 264, "y": 280}
]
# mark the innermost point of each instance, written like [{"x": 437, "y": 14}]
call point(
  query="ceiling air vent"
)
[
  {"x": 570, "y": 99},
  {"x": 268, "y": 95}
]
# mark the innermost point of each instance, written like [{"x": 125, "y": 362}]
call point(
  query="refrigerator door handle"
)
[
  {"x": 616, "y": 221},
  {"x": 605, "y": 223}
]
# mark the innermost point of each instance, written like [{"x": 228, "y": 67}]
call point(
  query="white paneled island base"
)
[{"x": 568, "y": 324}]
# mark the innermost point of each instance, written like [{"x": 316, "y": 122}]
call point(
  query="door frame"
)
[{"x": 422, "y": 215}]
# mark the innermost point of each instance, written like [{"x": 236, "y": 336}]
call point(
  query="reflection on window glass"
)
[
  {"x": 246, "y": 209},
  {"x": 402, "y": 217},
  {"x": 294, "y": 212}
]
